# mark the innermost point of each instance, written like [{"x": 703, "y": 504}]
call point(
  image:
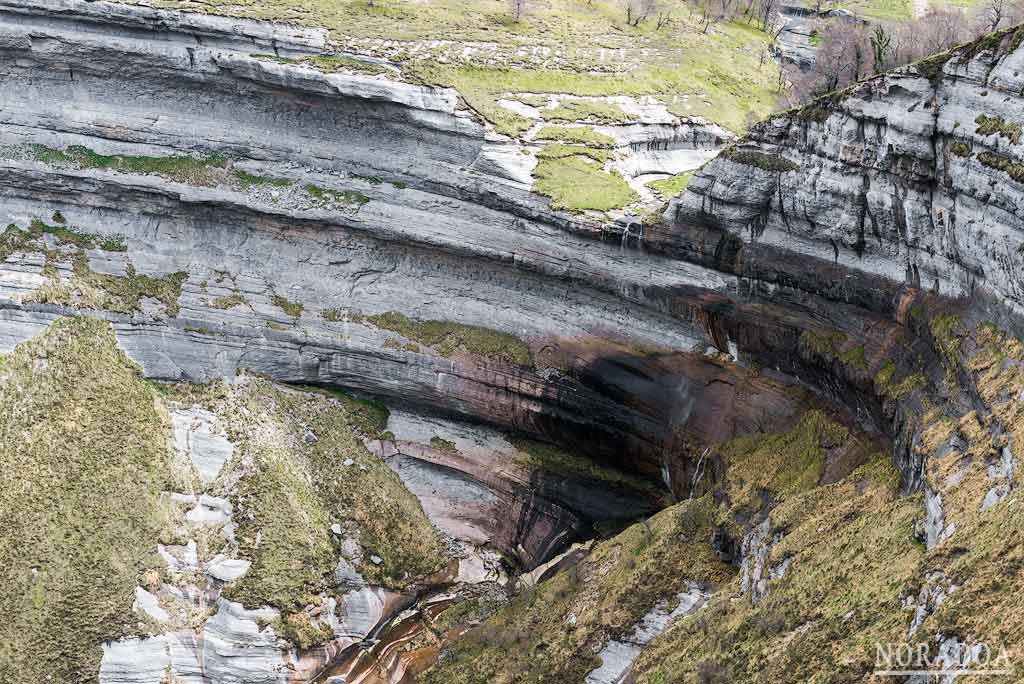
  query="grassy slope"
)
[
  {"x": 720, "y": 72},
  {"x": 293, "y": 484},
  {"x": 549, "y": 634},
  {"x": 82, "y": 463},
  {"x": 628, "y": 574}
]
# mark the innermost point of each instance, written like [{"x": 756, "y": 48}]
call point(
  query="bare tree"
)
[
  {"x": 881, "y": 44},
  {"x": 516, "y": 8},
  {"x": 764, "y": 12},
  {"x": 992, "y": 14},
  {"x": 637, "y": 11}
]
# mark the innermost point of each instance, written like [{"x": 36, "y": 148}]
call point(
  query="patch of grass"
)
[
  {"x": 367, "y": 417},
  {"x": 123, "y": 294},
  {"x": 994, "y": 125},
  {"x": 760, "y": 160},
  {"x": 1004, "y": 164},
  {"x": 586, "y": 110},
  {"x": 248, "y": 180},
  {"x": 442, "y": 444},
  {"x": 780, "y": 464},
  {"x": 332, "y": 64},
  {"x": 672, "y": 186},
  {"x": 298, "y": 629},
  {"x": 333, "y": 315},
  {"x": 852, "y": 559},
  {"x": 350, "y": 199},
  {"x": 558, "y": 151},
  {"x": 184, "y": 169},
  {"x": 291, "y": 308},
  {"x": 947, "y": 335},
  {"x": 228, "y": 301},
  {"x": 534, "y": 639},
  {"x": 960, "y": 148},
  {"x": 887, "y": 385},
  {"x": 80, "y": 431},
  {"x": 879, "y": 10},
  {"x": 580, "y": 184},
  {"x": 448, "y": 337},
  {"x": 578, "y": 135},
  {"x": 64, "y": 234},
  {"x": 303, "y": 467},
  {"x": 828, "y": 345}
]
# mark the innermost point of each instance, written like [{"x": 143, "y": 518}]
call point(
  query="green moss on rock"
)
[
  {"x": 1004, "y": 164},
  {"x": 81, "y": 440},
  {"x": 780, "y": 464},
  {"x": 578, "y": 135},
  {"x": 995, "y": 125},
  {"x": 302, "y": 467},
  {"x": 292, "y": 308},
  {"x": 123, "y": 294},
  {"x": 586, "y": 110},
  {"x": 448, "y": 337},
  {"x": 672, "y": 186},
  {"x": 350, "y": 199},
  {"x": 581, "y": 184},
  {"x": 760, "y": 160},
  {"x": 181, "y": 168},
  {"x": 851, "y": 560},
  {"x": 960, "y": 148}
]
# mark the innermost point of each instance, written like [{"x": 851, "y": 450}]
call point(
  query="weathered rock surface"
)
[{"x": 316, "y": 202}]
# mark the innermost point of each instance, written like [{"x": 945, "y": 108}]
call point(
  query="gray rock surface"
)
[
  {"x": 618, "y": 655},
  {"x": 197, "y": 435},
  {"x": 877, "y": 185}
]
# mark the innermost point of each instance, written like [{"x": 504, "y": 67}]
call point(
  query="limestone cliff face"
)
[
  {"x": 231, "y": 209},
  {"x": 913, "y": 176}
]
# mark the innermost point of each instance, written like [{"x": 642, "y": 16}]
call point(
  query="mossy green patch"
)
[
  {"x": 181, "y": 168},
  {"x": 249, "y": 180},
  {"x": 123, "y": 294},
  {"x": 302, "y": 468},
  {"x": 947, "y": 334},
  {"x": 852, "y": 559},
  {"x": 558, "y": 151},
  {"x": 671, "y": 186},
  {"x": 349, "y": 199},
  {"x": 887, "y": 385},
  {"x": 442, "y": 444},
  {"x": 368, "y": 417},
  {"x": 581, "y": 184},
  {"x": 780, "y": 464},
  {"x": 593, "y": 111},
  {"x": 292, "y": 308},
  {"x": 81, "y": 438},
  {"x": 448, "y": 337},
  {"x": 831, "y": 345},
  {"x": 960, "y": 148},
  {"x": 760, "y": 160},
  {"x": 578, "y": 135},
  {"x": 332, "y": 64},
  {"x": 228, "y": 301},
  {"x": 1004, "y": 164},
  {"x": 995, "y": 125}
]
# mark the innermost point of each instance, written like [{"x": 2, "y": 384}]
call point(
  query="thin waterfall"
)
[{"x": 699, "y": 472}]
